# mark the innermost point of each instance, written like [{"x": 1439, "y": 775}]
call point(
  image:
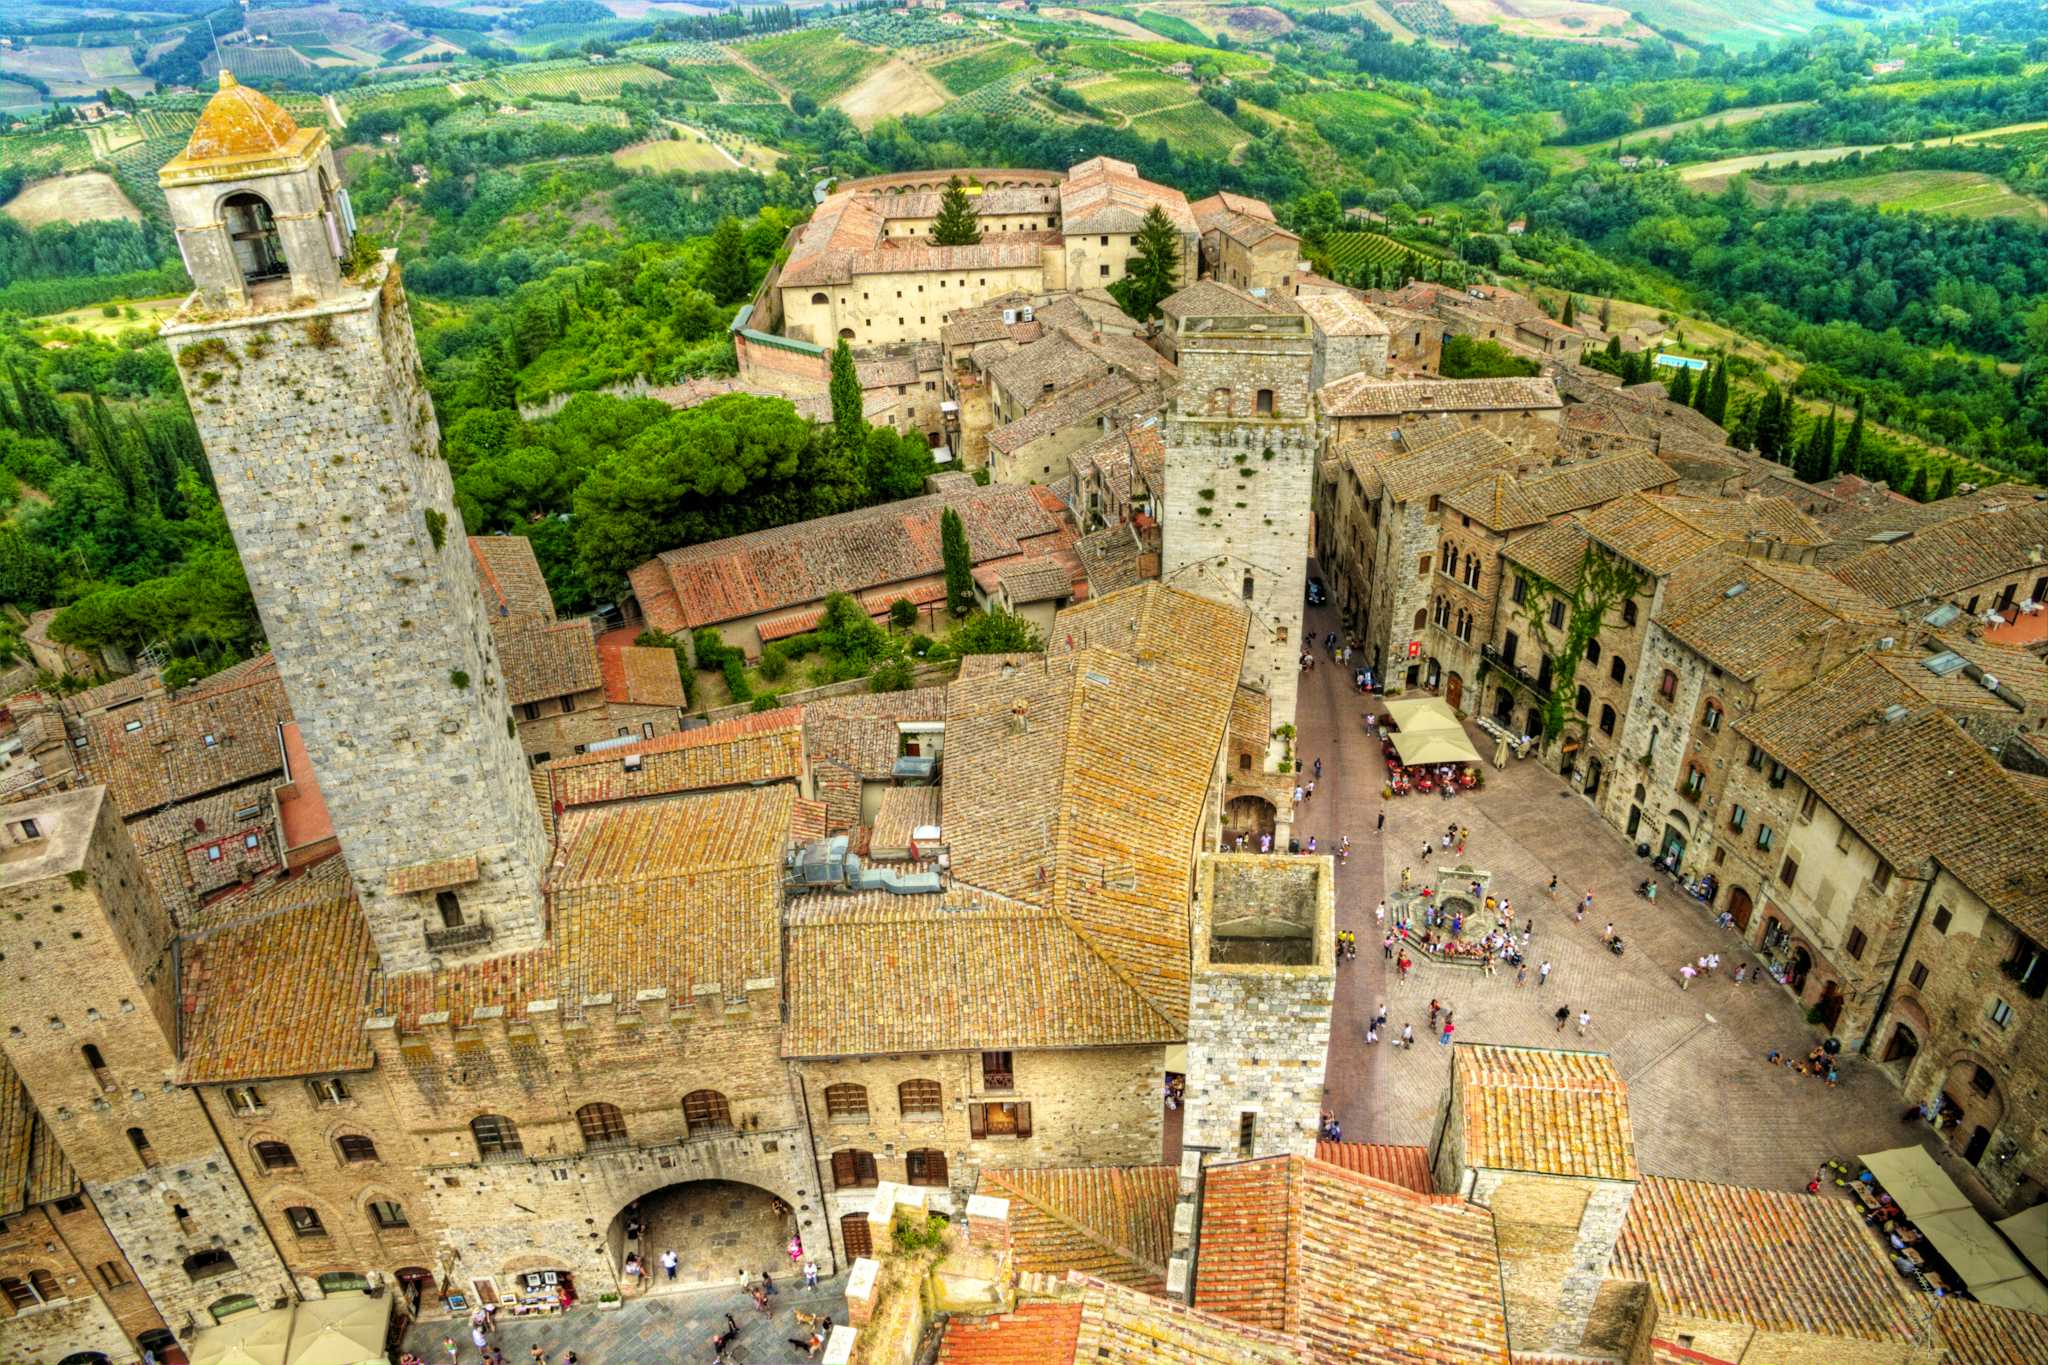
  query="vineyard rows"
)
[
  {"x": 1351, "y": 251},
  {"x": 682, "y": 54},
  {"x": 999, "y": 99},
  {"x": 64, "y": 149},
  {"x": 893, "y": 30},
  {"x": 605, "y": 82}
]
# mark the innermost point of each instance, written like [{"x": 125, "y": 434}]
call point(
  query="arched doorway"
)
[
  {"x": 1739, "y": 905},
  {"x": 1593, "y": 770},
  {"x": 1503, "y": 706},
  {"x": 1454, "y": 690},
  {"x": 253, "y": 232},
  {"x": 1830, "y": 1004},
  {"x": 714, "y": 1227},
  {"x": 1972, "y": 1105},
  {"x": 1980, "y": 1141},
  {"x": 1436, "y": 674},
  {"x": 1903, "y": 1047},
  {"x": 1796, "y": 970},
  {"x": 1251, "y": 816}
]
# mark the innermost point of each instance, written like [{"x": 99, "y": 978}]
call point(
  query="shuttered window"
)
[
  {"x": 853, "y": 1170},
  {"x": 999, "y": 1120}
]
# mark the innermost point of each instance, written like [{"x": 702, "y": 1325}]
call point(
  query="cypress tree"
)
[
  {"x": 959, "y": 563},
  {"x": 956, "y": 224},
  {"x": 1570, "y": 312},
  {"x": 725, "y": 273},
  {"x": 1614, "y": 347},
  {"x": 1717, "y": 395},
  {"x": 1154, "y": 272},
  {"x": 1852, "y": 448},
  {"x": 1769, "y": 440},
  {"x": 1826, "y": 463},
  {"x": 1681, "y": 387},
  {"x": 1948, "y": 483},
  {"x": 849, "y": 428},
  {"x": 1917, "y": 490}
]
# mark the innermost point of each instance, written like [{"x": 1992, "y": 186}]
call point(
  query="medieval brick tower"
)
[
  {"x": 1240, "y": 461},
  {"x": 98, "y": 1057},
  {"x": 306, "y": 385}
]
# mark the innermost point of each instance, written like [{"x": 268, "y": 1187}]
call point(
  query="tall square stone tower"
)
[
  {"x": 1240, "y": 464},
  {"x": 306, "y": 386},
  {"x": 1264, "y": 982},
  {"x": 90, "y": 1015}
]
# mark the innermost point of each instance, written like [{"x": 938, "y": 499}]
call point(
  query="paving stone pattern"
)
[
  {"x": 659, "y": 1329},
  {"x": 1705, "y": 1103}
]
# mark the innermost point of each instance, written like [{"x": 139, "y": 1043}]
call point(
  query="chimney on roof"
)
[{"x": 1020, "y": 713}]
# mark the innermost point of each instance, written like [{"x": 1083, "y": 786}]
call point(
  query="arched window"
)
[
  {"x": 39, "y": 1287},
  {"x": 139, "y": 1140},
  {"x": 305, "y": 1222},
  {"x": 93, "y": 1058},
  {"x": 207, "y": 1265},
  {"x": 820, "y": 298},
  {"x": 253, "y": 232},
  {"x": 1628, "y": 612},
  {"x": 276, "y": 1156},
  {"x": 1584, "y": 701},
  {"x": 355, "y": 1148},
  {"x": 1710, "y": 718},
  {"x": 846, "y": 334},
  {"x": 386, "y": 1214},
  {"x": 602, "y": 1125},
  {"x": 496, "y": 1136},
  {"x": 1420, "y": 618},
  {"x": 853, "y": 1169},
  {"x": 925, "y": 1166},
  {"x": 919, "y": 1099},
  {"x": 705, "y": 1111},
  {"x": 1606, "y": 719},
  {"x": 45, "y": 1285},
  {"x": 1592, "y": 651},
  {"x": 846, "y": 1101},
  {"x": 1618, "y": 669}
]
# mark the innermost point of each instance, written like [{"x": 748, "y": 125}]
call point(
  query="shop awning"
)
[
  {"x": 1973, "y": 1248},
  {"x": 1434, "y": 746},
  {"x": 345, "y": 1329},
  {"x": 2028, "y": 1295},
  {"x": 2029, "y": 1232},
  {"x": 250, "y": 1339},
  {"x": 1915, "y": 1181}
]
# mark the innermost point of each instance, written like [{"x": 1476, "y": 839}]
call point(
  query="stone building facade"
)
[
  {"x": 310, "y": 401},
  {"x": 1240, "y": 461},
  {"x": 99, "y": 1063}
]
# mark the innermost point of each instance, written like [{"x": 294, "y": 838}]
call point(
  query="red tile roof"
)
[
  {"x": 1544, "y": 1110},
  {"x": 640, "y": 675},
  {"x": 766, "y": 746},
  {"x": 1363, "y": 1270},
  {"x": 1040, "y": 1333},
  {"x": 1113, "y": 1222},
  {"x": 1407, "y": 1167}
]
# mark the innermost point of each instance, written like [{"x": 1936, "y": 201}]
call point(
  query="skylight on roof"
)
[{"x": 1944, "y": 663}]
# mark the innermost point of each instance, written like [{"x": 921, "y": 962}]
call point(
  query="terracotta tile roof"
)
[
  {"x": 1122, "y": 1326},
  {"x": 1361, "y": 395},
  {"x": 1033, "y": 578},
  {"x": 1344, "y": 314},
  {"x": 858, "y": 551},
  {"x": 875, "y": 973},
  {"x": 1042, "y": 1332},
  {"x": 1543, "y": 1110},
  {"x": 1775, "y": 520},
  {"x": 1593, "y": 482},
  {"x": 549, "y": 661},
  {"x": 1984, "y": 1334},
  {"x": 1958, "y": 693},
  {"x": 1106, "y": 195},
  {"x": 218, "y": 733},
  {"x": 1422, "y": 472},
  {"x": 1247, "y": 229},
  {"x": 1031, "y": 374},
  {"x": 1496, "y": 501},
  {"x": 282, "y": 991},
  {"x": 1775, "y": 1260},
  {"x": 435, "y": 876},
  {"x": 1746, "y": 615},
  {"x": 33, "y": 1168},
  {"x": 515, "y": 593},
  {"x": 847, "y": 237},
  {"x": 1407, "y": 1167},
  {"x": 1113, "y": 393},
  {"x": 766, "y": 746},
  {"x": 1940, "y": 560},
  {"x": 903, "y": 811},
  {"x": 641, "y": 675},
  {"x": 1111, "y": 1222},
  {"x": 1650, "y": 534},
  {"x": 853, "y": 739},
  {"x": 1557, "y": 552},
  {"x": 1110, "y": 558},
  {"x": 1206, "y": 297},
  {"x": 676, "y": 893},
  {"x": 1362, "y": 1270},
  {"x": 1224, "y": 201}
]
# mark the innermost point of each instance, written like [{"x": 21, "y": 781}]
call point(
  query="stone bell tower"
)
[{"x": 298, "y": 359}]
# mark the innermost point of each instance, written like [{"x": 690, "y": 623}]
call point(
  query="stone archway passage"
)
[{"x": 717, "y": 1228}]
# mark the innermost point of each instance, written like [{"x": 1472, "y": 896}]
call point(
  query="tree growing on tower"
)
[
  {"x": 959, "y": 563},
  {"x": 849, "y": 427},
  {"x": 1154, "y": 271},
  {"x": 957, "y": 224}
]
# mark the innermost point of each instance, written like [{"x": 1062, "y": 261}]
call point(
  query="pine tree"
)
[
  {"x": 1852, "y": 448},
  {"x": 956, "y": 224},
  {"x": 497, "y": 386},
  {"x": 1154, "y": 272},
  {"x": 849, "y": 427},
  {"x": 1570, "y": 312},
  {"x": 1917, "y": 491},
  {"x": 1948, "y": 483},
  {"x": 1681, "y": 387},
  {"x": 959, "y": 563},
  {"x": 1717, "y": 395},
  {"x": 725, "y": 272}
]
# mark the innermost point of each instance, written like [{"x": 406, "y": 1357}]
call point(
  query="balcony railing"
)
[
  {"x": 1520, "y": 676},
  {"x": 458, "y": 936}
]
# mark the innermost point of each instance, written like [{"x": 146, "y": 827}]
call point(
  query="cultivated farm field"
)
[
  {"x": 541, "y": 79},
  {"x": 893, "y": 88},
  {"x": 1351, "y": 250},
  {"x": 1193, "y": 130},
  {"x": 818, "y": 62},
  {"x": 1137, "y": 93},
  {"x": 76, "y": 72},
  {"x": 971, "y": 71},
  {"x": 89, "y": 196},
  {"x": 1963, "y": 194}
]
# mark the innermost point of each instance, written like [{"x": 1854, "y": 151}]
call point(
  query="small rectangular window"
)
[
  {"x": 1789, "y": 873},
  {"x": 1247, "y": 1130},
  {"x": 1737, "y": 818},
  {"x": 2001, "y": 1015},
  {"x": 1918, "y": 976},
  {"x": 1882, "y": 878},
  {"x": 1765, "y": 837},
  {"x": 1856, "y": 944},
  {"x": 1941, "y": 919}
]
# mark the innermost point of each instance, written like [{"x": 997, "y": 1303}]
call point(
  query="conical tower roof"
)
[{"x": 241, "y": 132}]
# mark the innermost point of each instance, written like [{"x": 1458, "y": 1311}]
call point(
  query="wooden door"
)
[
  {"x": 1739, "y": 905},
  {"x": 1454, "y": 691},
  {"x": 853, "y": 1229},
  {"x": 486, "y": 1290}
]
